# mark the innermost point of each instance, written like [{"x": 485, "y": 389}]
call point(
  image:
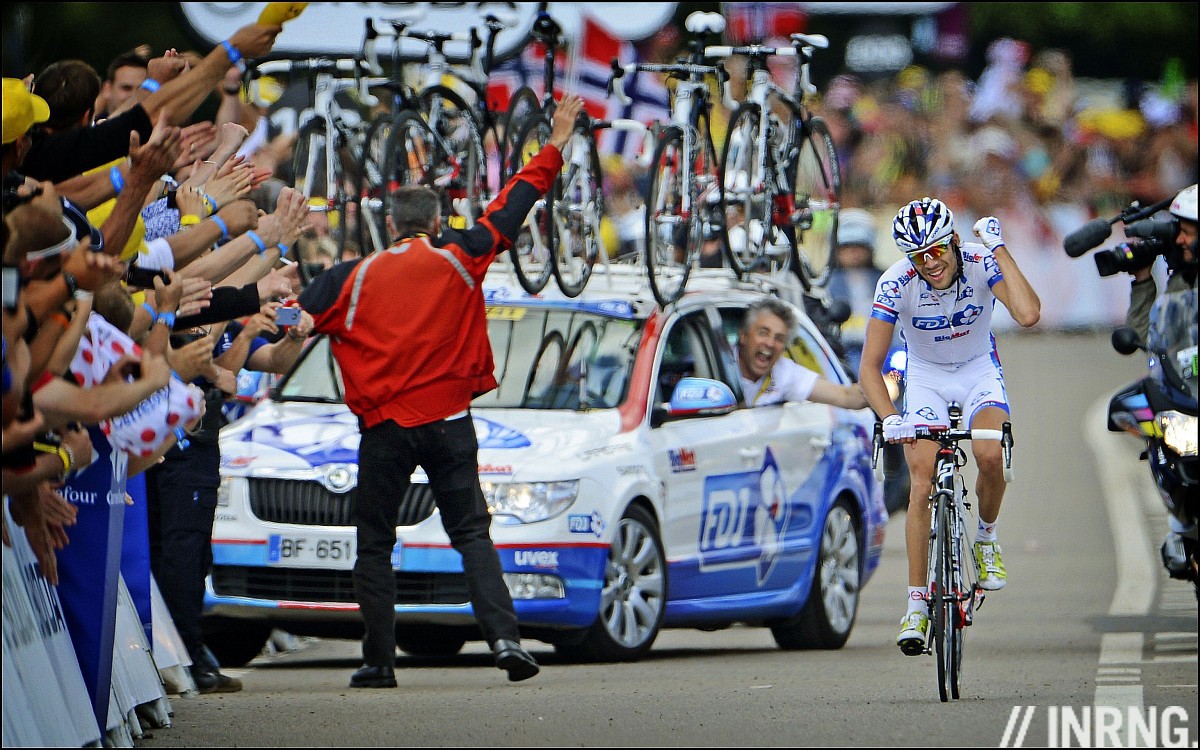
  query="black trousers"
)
[
  {"x": 181, "y": 510},
  {"x": 448, "y": 451}
]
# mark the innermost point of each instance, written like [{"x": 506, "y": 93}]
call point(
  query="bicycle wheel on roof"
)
[
  {"x": 532, "y": 253},
  {"x": 816, "y": 196},
  {"x": 672, "y": 235},
  {"x": 757, "y": 223},
  {"x": 463, "y": 177},
  {"x": 578, "y": 207}
]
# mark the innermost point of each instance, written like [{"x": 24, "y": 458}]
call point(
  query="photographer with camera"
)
[{"x": 1179, "y": 252}]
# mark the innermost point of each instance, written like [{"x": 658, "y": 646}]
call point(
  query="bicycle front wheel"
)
[
  {"x": 578, "y": 206},
  {"x": 756, "y": 221},
  {"x": 816, "y": 198},
  {"x": 673, "y": 229},
  {"x": 326, "y": 194},
  {"x": 944, "y": 602},
  {"x": 523, "y": 105},
  {"x": 372, "y": 186},
  {"x": 533, "y": 252}
]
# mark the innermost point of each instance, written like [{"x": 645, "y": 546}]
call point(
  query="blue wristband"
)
[
  {"x": 221, "y": 223},
  {"x": 235, "y": 57},
  {"x": 153, "y": 313},
  {"x": 165, "y": 317},
  {"x": 262, "y": 246},
  {"x": 150, "y": 85},
  {"x": 283, "y": 249},
  {"x": 210, "y": 204},
  {"x": 117, "y": 179}
]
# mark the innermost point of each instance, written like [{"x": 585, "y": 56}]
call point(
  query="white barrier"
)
[{"x": 45, "y": 699}]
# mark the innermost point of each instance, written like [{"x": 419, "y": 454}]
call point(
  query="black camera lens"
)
[{"x": 1128, "y": 257}]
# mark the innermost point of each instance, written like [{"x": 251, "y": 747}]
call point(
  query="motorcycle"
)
[{"x": 1161, "y": 410}]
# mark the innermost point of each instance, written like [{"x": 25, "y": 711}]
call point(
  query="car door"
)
[
  {"x": 710, "y": 468},
  {"x": 791, "y": 438}
]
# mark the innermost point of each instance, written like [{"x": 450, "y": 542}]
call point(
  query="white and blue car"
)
[{"x": 630, "y": 488}]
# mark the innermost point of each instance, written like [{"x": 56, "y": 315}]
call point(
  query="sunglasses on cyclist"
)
[{"x": 933, "y": 252}]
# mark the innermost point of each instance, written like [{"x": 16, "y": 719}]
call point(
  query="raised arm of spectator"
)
[
  {"x": 278, "y": 231},
  {"x": 146, "y": 164},
  {"x": 62, "y": 401},
  {"x": 183, "y": 94}
]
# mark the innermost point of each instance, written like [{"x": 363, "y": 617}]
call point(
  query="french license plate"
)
[
  {"x": 311, "y": 550},
  {"x": 335, "y": 551}
]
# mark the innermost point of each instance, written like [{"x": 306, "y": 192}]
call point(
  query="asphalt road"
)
[{"x": 1088, "y": 620}]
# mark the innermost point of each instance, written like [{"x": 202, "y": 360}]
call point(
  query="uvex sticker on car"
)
[
  {"x": 683, "y": 459},
  {"x": 536, "y": 558}
]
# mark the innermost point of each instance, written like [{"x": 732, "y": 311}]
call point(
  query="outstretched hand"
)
[{"x": 563, "y": 122}]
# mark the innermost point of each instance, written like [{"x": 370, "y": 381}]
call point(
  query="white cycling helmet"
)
[
  {"x": 921, "y": 224},
  {"x": 1184, "y": 205}
]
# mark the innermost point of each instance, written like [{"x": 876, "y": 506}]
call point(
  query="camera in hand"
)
[
  {"x": 143, "y": 278},
  {"x": 1148, "y": 240},
  {"x": 287, "y": 316}
]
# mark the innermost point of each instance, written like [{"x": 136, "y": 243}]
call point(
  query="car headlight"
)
[
  {"x": 1178, "y": 431},
  {"x": 529, "y": 501}
]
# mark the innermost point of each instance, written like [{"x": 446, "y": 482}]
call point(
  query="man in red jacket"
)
[{"x": 408, "y": 329}]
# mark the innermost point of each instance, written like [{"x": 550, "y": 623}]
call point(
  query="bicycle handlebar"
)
[
  {"x": 948, "y": 437},
  {"x": 619, "y": 72}
]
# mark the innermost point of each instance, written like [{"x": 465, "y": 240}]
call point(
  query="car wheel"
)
[
  {"x": 235, "y": 642},
  {"x": 828, "y": 615},
  {"x": 436, "y": 641},
  {"x": 633, "y": 600}
]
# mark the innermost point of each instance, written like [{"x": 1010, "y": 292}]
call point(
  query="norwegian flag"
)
[
  {"x": 754, "y": 23},
  {"x": 650, "y": 99},
  {"x": 525, "y": 69}
]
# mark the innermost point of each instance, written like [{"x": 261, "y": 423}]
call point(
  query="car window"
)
[
  {"x": 549, "y": 358},
  {"x": 803, "y": 349},
  {"x": 315, "y": 377},
  {"x": 685, "y": 353}
]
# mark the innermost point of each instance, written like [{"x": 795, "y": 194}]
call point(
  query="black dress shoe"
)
[
  {"x": 209, "y": 680},
  {"x": 515, "y": 660},
  {"x": 373, "y": 677}
]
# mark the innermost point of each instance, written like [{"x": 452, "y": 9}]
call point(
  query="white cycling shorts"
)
[{"x": 929, "y": 389}]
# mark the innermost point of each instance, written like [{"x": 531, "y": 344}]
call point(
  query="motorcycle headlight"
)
[
  {"x": 1178, "y": 431},
  {"x": 529, "y": 502}
]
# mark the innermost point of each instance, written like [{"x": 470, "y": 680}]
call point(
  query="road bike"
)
[
  {"x": 685, "y": 198},
  {"x": 780, "y": 170},
  {"x": 953, "y": 592},
  {"x": 324, "y": 162}
]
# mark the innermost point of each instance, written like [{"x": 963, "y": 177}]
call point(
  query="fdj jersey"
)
[{"x": 947, "y": 327}]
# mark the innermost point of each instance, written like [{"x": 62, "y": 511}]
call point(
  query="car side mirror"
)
[{"x": 695, "y": 397}]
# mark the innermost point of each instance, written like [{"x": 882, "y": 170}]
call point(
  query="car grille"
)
[
  {"x": 309, "y": 503},
  {"x": 336, "y": 586}
]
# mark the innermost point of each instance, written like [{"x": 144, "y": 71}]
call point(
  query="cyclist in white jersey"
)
[{"x": 942, "y": 298}]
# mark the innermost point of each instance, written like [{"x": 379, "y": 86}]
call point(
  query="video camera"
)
[{"x": 1148, "y": 239}]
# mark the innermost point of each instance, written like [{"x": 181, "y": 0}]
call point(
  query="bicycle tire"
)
[
  {"x": 943, "y": 600},
  {"x": 411, "y": 152},
  {"x": 672, "y": 237},
  {"x": 753, "y": 197},
  {"x": 533, "y": 251},
  {"x": 816, "y": 181},
  {"x": 309, "y": 178},
  {"x": 523, "y": 105},
  {"x": 578, "y": 205},
  {"x": 961, "y": 590},
  {"x": 449, "y": 115},
  {"x": 708, "y": 195},
  {"x": 371, "y": 186}
]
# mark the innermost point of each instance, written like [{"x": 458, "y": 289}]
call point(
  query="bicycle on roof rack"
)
[
  {"x": 780, "y": 170},
  {"x": 685, "y": 198}
]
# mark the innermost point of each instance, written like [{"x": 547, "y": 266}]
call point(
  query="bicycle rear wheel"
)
[
  {"x": 463, "y": 176},
  {"x": 673, "y": 231},
  {"x": 533, "y": 251},
  {"x": 816, "y": 196},
  {"x": 578, "y": 205},
  {"x": 523, "y": 105},
  {"x": 944, "y": 604},
  {"x": 411, "y": 153}
]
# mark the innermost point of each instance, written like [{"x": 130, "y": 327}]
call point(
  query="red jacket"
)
[{"x": 407, "y": 324}]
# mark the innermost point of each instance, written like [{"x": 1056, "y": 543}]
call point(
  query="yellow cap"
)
[{"x": 22, "y": 109}]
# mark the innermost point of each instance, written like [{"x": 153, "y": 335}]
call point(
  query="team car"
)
[{"x": 630, "y": 488}]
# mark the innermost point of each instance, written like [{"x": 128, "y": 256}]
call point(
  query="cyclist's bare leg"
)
[
  {"x": 921, "y": 457},
  {"x": 989, "y": 460}
]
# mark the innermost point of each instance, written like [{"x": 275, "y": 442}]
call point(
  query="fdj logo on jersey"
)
[{"x": 744, "y": 519}]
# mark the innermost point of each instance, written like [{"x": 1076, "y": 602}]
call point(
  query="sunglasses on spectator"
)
[
  {"x": 933, "y": 252},
  {"x": 58, "y": 248}
]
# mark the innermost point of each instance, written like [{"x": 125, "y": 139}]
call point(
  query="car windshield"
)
[{"x": 546, "y": 358}]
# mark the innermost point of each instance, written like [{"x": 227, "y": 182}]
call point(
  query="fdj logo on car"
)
[{"x": 744, "y": 519}]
